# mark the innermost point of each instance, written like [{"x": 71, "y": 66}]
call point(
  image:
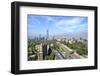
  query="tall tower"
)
[{"x": 47, "y": 34}]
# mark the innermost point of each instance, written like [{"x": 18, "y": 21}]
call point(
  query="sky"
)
[{"x": 39, "y": 24}]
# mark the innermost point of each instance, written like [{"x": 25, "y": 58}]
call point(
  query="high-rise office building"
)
[{"x": 47, "y": 34}]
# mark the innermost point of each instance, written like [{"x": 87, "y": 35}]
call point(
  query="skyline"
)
[{"x": 38, "y": 25}]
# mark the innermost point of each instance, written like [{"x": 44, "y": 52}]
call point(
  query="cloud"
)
[
  {"x": 72, "y": 24},
  {"x": 49, "y": 18}
]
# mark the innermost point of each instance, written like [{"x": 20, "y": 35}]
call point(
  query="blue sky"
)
[{"x": 38, "y": 25}]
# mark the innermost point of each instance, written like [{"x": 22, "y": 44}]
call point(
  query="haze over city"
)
[{"x": 57, "y": 26}]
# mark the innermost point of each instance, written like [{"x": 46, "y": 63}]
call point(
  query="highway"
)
[
  {"x": 69, "y": 51},
  {"x": 58, "y": 54}
]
